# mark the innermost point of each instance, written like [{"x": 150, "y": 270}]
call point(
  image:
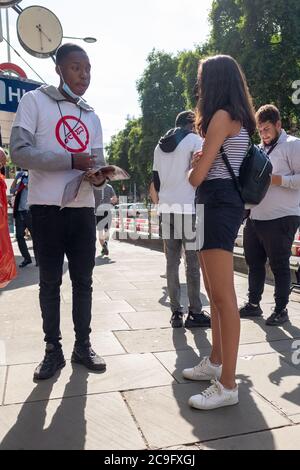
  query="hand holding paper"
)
[
  {"x": 96, "y": 176},
  {"x": 110, "y": 172},
  {"x": 83, "y": 161}
]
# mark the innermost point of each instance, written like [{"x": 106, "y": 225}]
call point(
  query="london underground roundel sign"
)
[{"x": 8, "y": 67}]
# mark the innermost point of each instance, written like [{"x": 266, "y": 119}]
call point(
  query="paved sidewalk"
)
[{"x": 141, "y": 401}]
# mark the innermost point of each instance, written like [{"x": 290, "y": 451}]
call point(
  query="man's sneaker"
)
[
  {"x": 52, "y": 362},
  {"x": 195, "y": 320},
  {"x": 203, "y": 371},
  {"x": 278, "y": 317},
  {"x": 215, "y": 396},
  {"x": 177, "y": 320},
  {"x": 25, "y": 263},
  {"x": 84, "y": 354},
  {"x": 105, "y": 251},
  {"x": 249, "y": 310}
]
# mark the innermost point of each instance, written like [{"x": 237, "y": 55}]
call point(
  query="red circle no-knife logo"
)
[{"x": 72, "y": 134}]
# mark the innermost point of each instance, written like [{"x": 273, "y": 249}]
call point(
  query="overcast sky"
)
[{"x": 127, "y": 31}]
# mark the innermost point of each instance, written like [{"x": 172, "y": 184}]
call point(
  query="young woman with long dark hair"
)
[{"x": 225, "y": 117}]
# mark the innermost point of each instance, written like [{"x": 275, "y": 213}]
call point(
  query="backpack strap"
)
[{"x": 231, "y": 172}]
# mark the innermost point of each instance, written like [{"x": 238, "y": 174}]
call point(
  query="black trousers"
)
[
  {"x": 57, "y": 233},
  {"x": 23, "y": 222},
  {"x": 270, "y": 239}
]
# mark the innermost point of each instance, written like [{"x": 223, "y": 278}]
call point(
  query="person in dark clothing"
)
[
  {"x": 57, "y": 135},
  {"x": 22, "y": 216},
  {"x": 270, "y": 230}
]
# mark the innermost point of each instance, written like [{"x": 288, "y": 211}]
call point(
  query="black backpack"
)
[{"x": 255, "y": 174}]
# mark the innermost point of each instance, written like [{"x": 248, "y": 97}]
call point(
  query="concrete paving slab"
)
[
  {"x": 19, "y": 327},
  {"x": 108, "y": 322},
  {"x": 257, "y": 332},
  {"x": 103, "y": 322},
  {"x": 147, "y": 320},
  {"x": 279, "y": 383},
  {"x": 12, "y": 307},
  {"x": 176, "y": 361},
  {"x": 111, "y": 306},
  {"x": 166, "y": 419},
  {"x": 146, "y": 305},
  {"x": 98, "y": 296},
  {"x": 295, "y": 419},
  {"x": 156, "y": 340},
  {"x": 3, "y": 371},
  {"x": 154, "y": 294},
  {"x": 287, "y": 438},
  {"x": 125, "y": 372},
  {"x": 168, "y": 339},
  {"x": 79, "y": 423},
  {"x": 185, "y": 449},
  {"x": 142, "y": 276},
  {"x": 29, "y": 349},
  {"x": 154, "y": 284},
  {"x": 114, "y": 284},
  {"x": 16, "y": 327}
]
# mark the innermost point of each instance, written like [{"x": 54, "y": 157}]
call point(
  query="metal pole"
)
[
  {"x": 1, "y": 28},
  {"x": 8, "y": 37}
]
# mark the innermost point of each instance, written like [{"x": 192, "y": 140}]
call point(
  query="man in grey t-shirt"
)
[{"x": 104, "y": 199}]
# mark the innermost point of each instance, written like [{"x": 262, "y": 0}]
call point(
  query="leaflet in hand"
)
[{"x": 111, "y": 172}]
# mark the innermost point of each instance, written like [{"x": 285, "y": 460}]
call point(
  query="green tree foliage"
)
[
  {"x": 188, "y": 63},
  {"x": 264, "y": 37},
  {"x": 160, "y": 93},
  {"x": 161, "y": 97},
  {"x": 123, "y": 151}
]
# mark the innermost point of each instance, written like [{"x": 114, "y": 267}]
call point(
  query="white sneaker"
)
[
  {"x": 203, "y": 371},
  {"x": 215, "y": 396}
]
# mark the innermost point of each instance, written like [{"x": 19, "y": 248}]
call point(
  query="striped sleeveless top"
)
[{"x": 235, "y": 148}]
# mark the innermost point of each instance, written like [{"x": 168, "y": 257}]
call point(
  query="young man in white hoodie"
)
[
  {"x": 176, "y": 197},
  {"x": 271, "y": 228},
  {"x": 57, "y": 135}
]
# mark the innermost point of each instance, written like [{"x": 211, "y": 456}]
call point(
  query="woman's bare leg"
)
[
  {"x": 219, "y": 270},
  {"x": 216, "y": 352}
]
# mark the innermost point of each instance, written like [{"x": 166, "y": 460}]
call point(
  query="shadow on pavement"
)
[
  {"x": 286, "y": 357},
  {"x": 51, "y": 424},
  {"x": 184, "y": 297},
  {"x": 223, "y": 422},
  {"x": 28, "y": 276}
]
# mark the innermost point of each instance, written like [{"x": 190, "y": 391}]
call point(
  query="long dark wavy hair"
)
[{"x": 221, "y": 84}]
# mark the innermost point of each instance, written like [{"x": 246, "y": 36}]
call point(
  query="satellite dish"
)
[
  {"x": 39, "y": 31},
  {"x": 8, "y": 3}
]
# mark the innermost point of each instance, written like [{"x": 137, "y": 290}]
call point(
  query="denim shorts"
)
[{"x": 223, "y": 213}]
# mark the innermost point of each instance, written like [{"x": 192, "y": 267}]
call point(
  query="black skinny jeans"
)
[
  {"x": 270, "y": 239},
  {"x": 57, "y": 233},
  {"x": 23, "y": 222}
]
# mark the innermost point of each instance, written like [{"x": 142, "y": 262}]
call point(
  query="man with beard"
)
[{"x": 271, "y": 228}]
